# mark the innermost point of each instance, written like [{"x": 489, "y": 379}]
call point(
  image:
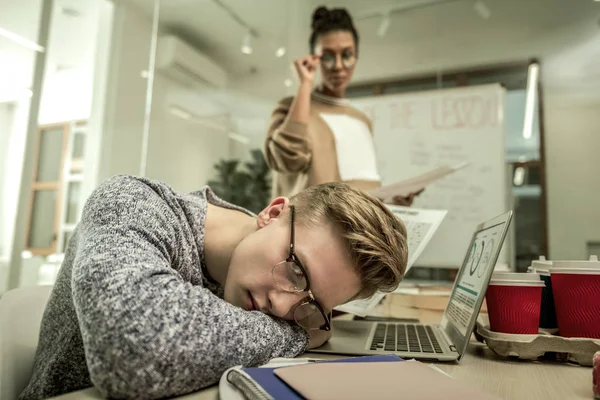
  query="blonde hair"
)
[{"x": 375, "y": 237}]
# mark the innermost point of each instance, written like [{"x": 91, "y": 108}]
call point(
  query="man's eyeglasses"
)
[{"x": 290, "y": 276}]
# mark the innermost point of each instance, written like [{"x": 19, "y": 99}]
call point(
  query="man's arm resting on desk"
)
[{"x": 146, "y": 332}]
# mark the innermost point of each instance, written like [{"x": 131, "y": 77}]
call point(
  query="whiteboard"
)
[{"x": 416, "y": 132}]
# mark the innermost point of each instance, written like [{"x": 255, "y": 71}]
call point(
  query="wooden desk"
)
[{"x": 480, "y": 367}]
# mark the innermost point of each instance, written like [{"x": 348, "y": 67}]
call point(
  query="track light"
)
[
  {"x": 8, "y": 95},
  {"x": 280, "y": 52},
  {"x": 530, "y": 99},
  {"x": 482, "y": 9},
  {"x": 206, "y": 122},
  {"x": 247, "y": 44},
  {"x": 383, "y": 25},
  {"x": 519, "y": 176},
  {"x": 21, "y": 40}
]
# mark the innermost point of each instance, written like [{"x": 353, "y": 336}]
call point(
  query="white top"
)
[{"x": 354, "y": 147}]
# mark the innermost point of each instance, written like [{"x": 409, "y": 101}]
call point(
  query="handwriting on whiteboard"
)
[
  {"x": 472, "y": 111},
  {"x": 445, "y": 113}
]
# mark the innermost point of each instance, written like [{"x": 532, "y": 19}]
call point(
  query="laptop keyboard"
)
[{"x": 405, "y": 338}]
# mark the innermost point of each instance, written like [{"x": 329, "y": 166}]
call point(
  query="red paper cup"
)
[
  {"x": 514, "y": 305},
  {"x": 577, "y": 300},
  {"x": 596, "y": 375}
]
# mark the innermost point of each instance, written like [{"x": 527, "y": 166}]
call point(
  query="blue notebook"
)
[{"x": 265, "y": 384}]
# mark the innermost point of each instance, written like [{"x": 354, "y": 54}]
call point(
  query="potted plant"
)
[{"x": 247, "y": 185}]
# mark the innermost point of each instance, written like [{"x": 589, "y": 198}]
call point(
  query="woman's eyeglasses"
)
[{"x": 329, "y": 60}]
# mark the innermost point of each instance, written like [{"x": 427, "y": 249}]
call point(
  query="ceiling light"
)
[
  {"x": 530, "y": 99},
  {"x": 206, "y": 122},
  {"x": 288, "y": 82},
  {"x": 383, "y": 25},
  {"x": 482, "y": 9},
  {"x": 54, "y": 258},
  {"x": 519, "y": 176},
  {"x": 26, "y": 254},
  {"x": 21, "y": 40},
  {"x": 179, "y": 112},
  {"x": 246, "y": 44},
  {"x": 238, "y": 138},
  {"x": 70, "y": 11},
  {"x": 280, "y": 52}
]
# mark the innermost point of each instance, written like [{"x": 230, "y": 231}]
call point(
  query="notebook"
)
[
  {"x": 357, "y": 381},
  {"x": 262, "y": 384}
]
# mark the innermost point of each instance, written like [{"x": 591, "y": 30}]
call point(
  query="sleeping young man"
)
[{"x": 159, "y": 292}]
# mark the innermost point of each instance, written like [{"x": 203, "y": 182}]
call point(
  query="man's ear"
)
[{"x": 272, "y": 211}]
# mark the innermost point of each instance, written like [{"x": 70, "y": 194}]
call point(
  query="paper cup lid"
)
[
  {"x": 541, "y": 264},
  {"x": 576, "y": 271},
  {"x": 592, "y": 263},
  {"x": 506, "y": 282},
  {"x": 515, "y": 276}
]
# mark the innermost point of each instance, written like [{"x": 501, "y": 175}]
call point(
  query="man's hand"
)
[{"x": 318, "y": 338}]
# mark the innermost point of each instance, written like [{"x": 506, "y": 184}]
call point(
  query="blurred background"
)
[{"x": 182, "y": 91}]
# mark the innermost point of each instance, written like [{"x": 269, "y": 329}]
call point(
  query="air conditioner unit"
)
[{"x": 186, "y": 65}]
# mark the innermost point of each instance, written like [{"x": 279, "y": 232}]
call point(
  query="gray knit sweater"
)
[{"x": 134, "y": 312}]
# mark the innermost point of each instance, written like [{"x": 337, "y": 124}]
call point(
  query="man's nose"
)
[{"x": 282, "y": 303}]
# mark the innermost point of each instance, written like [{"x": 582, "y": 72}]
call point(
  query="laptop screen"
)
[{"x": 473, "y": 278}]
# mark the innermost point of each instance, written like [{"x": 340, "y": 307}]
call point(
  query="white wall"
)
[
  {"x": 573, "y": 164},
  {"x": 6, "y": 122},
  {"x": 181, "y": 152},
  {"x": 67, "y": 96},
  {"x": 16, "y": 62},
  {"x": 125, "y": 94},
  {"x": 68, "y": 79},
  {"x": 13, "y": 144},
  {"x": 13, "y": 131},
  {"x": 6, "y": 125}
]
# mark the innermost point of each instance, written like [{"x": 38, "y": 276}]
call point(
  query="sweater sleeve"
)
[
  {"x": 146, "y": 332},
  {"x": 287, "y": 147}
]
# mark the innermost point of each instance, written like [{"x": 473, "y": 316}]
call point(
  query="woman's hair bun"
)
[
  {"x": 320, "y": 16},
  {"x": 323, "y": 17}
]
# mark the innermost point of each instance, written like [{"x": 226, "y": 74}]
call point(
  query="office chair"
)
[{"x": 21, "y": 313}]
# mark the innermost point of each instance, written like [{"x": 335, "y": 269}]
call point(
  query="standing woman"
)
[{"x": 317, "y": 136}]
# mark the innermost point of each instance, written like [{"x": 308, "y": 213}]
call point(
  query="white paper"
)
[
  {"x": 420, "y": 226},
  {"x": 414, "y": 184}
]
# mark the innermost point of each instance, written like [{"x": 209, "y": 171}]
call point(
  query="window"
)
[{"x": 55, "y": 194}]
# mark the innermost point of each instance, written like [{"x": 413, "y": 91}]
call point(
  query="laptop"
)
[{"x": 444, "y": 342}]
